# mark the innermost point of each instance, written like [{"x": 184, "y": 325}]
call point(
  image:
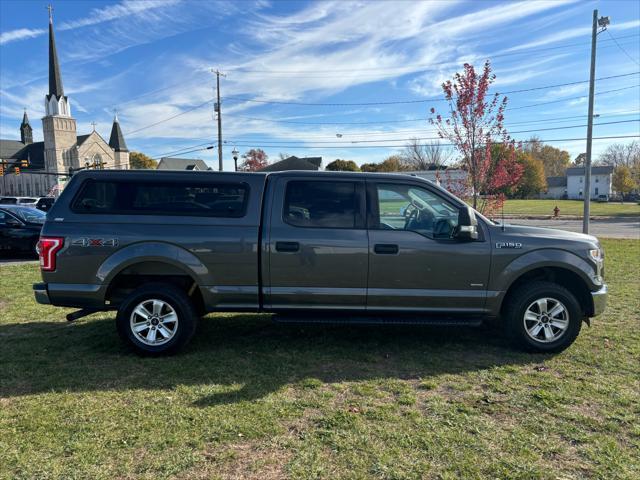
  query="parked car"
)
[
  {"x": 20, "y": 228},
  {"x": 164, "y": 248},
  {"x": 18, "y": 201},
  {"x": 45, "y": 203},
  {"x": 602, "y": 198}
]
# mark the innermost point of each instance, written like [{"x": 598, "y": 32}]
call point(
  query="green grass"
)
[
  {"x": 570, "y": 207},
  {"x": 251, "y": 399}
]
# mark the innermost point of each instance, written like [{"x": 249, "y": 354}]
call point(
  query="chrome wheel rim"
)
[
  {"x": 546, "y": 320},
  {"x": 153, "y": 322}
]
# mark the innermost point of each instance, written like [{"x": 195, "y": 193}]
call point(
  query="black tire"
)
[
  {"x": 517, "y": 305},
  {"x": 177, "y": 300}
]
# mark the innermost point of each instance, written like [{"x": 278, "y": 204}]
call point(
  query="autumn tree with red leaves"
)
[
  {"x": 475, "y": 123},
  {"x": 254, "y": 160}
]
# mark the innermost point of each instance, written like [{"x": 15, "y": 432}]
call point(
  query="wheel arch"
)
[
  {"x": 137, "y": 264},
  {"x": 565, "y": 277}
]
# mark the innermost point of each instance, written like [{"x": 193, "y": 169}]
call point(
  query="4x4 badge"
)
[{"x": 95, "y": 242}]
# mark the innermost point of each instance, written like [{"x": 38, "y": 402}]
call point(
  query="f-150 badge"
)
[{"x": 508, "y": 245}]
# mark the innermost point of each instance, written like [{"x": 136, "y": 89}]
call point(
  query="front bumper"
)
[
  {"x": 599, "y": 300},
  {"x": 41, "y": 293}
]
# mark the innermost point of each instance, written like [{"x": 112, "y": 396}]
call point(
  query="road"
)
[{"x": 607, "y": 228}]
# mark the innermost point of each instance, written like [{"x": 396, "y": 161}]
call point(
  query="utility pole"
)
[
  {"x": 218, "y": 110},
  {"x": 602, "y": 22}
]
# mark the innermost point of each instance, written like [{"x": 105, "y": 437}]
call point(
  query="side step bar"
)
[{"x": 331, "y": 318}]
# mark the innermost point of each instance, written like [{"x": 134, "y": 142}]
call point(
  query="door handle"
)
[
  {"x": 385, "y": 249},
  {"x": 290, "y": 247}
]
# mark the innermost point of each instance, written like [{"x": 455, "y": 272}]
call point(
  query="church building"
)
[{"x": 44, "y": 166}]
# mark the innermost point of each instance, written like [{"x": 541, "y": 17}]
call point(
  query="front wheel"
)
[
  {"x": 543, "y": 317},
  {"x": 156, "y": 319}
]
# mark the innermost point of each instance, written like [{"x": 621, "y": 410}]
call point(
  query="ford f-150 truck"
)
[{"x": 164, "y": 248}]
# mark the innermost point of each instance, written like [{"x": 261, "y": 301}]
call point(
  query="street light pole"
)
[
  {"x": 602, "y": 22},
  {"x": 235, "y": 154}
]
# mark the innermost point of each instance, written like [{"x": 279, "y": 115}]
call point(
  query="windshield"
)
[{"x": 26, "y": 214}]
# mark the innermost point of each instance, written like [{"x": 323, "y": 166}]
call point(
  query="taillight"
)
[{"x": 47, "y": 249}]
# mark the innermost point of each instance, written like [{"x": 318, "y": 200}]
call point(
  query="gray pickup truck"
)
[{"x": 165, "y": 248}]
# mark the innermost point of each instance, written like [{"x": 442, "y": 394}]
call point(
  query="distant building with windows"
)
[
  {"x": 601, "y": 182},
  {"x": 571, "y": 186},
  {"x": 62, "y": 149}
]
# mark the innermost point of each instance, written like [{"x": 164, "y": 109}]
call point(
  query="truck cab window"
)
[
  {"x": 407, "y": 207},
  {"x": 321, "y": 204}
]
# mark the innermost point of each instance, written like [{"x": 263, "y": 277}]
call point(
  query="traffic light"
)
[
  {"x": 24, "y": 163},
  {"x": 1, "y": 170},
  {"x": 16, "y": 170}
]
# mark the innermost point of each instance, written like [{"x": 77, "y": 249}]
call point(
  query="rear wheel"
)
[
  {"x": 543, "y": 317},
  {"x": 157, "y": 319}
]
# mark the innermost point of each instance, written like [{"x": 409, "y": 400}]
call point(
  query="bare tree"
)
[
  {"x": 621, "y": 155},
  {"x": 424, "y": 156}
]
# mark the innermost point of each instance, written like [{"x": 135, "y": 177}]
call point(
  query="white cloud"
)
[
  {"x": 20, "y": 34},
  {"x": 118, "y": 11},
  {"x": 113, "y": 12}
]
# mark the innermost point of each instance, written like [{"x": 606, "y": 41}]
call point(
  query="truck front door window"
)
[{"x": 406, "y": 207}]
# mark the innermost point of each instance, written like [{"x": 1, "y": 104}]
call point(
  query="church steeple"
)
[
  {"x": 56, "y": 102},
  {"x": 55, "y": 79},
  {"x": 116, "y": 140},
  {"x": 26, "y": 132}
]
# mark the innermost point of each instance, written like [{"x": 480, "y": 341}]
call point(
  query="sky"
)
[{"x": 337, "y": 79}]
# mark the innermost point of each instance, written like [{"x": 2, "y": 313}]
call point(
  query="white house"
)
[{"x": 600, "y": 182}]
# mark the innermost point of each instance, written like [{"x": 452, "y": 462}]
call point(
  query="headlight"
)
[{"x": 596, "y": 254}]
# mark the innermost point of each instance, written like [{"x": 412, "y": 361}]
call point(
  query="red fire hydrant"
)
[{"x": 556, "y": 211}]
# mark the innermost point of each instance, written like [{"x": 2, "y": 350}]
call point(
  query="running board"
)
[{"x": 333, "y": 319}]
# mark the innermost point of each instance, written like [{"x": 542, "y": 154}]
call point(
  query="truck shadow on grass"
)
[{"x": 235, "y": 358}]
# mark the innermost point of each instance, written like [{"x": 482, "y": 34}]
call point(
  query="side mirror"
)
[{"x": 467, "y": 228}]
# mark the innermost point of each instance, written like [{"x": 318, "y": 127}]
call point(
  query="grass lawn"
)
[
  {"x": 570, "y": 207},
  {"x": 251, "y": 399}
]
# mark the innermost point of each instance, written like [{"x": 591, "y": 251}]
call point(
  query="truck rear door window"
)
[
  {"x": 321, "y": 204},
  {"x": 156, "y": 198}
]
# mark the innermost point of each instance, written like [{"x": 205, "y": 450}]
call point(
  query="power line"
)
[
  {"x": 349, "y": 146},
  {"x": 421, "y": 119},
  {"x": 382, "y": 103},
  {"x": 572, "y": 98},
  {"x": 622, "y": 49},
  {"x": 351, "y": 142},
  {"x": 209, "y": 147},
  {"x": 412, "y": 132},
  {"x": 169, "y": 118},
  {"x": 180, "y": 151},
  {"x": 404, "y": 102},
  {"x": 442, "y": 145}
]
